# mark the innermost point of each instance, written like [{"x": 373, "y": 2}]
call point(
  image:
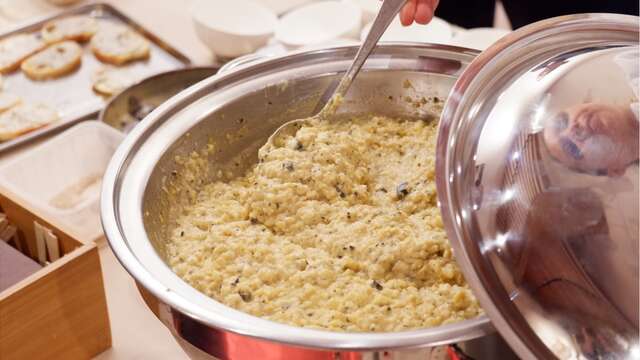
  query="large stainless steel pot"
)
[{"x": 257, "y": 98}]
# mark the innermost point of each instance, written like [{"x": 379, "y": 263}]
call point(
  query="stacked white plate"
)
[
  {"x": 437, "y": 31},
  {"x": 318, "y": 23}
]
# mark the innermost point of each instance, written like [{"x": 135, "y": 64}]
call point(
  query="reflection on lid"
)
[{"x": 553, "y": 192}]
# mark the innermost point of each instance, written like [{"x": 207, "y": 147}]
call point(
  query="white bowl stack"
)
[
  {"x": 273, "y": 27},
  {"x": 369, "y": 9},
  {"x": 233, "y": 28}
]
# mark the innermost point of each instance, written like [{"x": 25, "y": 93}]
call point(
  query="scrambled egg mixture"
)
[{"x": 337, "y": 229}]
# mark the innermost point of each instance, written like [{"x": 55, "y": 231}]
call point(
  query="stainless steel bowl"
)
[
  {"x": 257, "y": 98},
  {"x": 125, "y": 109}
]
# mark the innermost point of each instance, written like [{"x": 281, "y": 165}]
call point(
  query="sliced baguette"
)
[
  {"x": 8, "y": 100},
  {"x": 24, "y": 118},
  {"x": 16, "y": 48},
  {"x": 78, "y": 28},
  {"x": 57, "y": 60},
  {"x": 117, "y": 45},
  {"x": 109, "y": 81}
]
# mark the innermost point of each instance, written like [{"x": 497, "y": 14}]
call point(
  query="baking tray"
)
[{"x": 72, "y": 95}]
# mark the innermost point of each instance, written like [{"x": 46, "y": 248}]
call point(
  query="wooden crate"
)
[{"x": 59, "y": 312}]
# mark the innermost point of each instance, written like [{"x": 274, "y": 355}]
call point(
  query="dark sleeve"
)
[
  {"x": 480, "y": 13},
  {"x": 524, "y": 12},
  {"x": 467, "y": 13}
]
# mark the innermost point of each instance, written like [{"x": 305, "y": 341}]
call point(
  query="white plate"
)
[
  {"x": 437, "y": 31},
  {"x": 478, "y": 38},
  {"x": 319, "y": 22}
]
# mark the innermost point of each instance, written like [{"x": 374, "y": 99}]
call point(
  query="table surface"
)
[{"x": 136, "y": 332}]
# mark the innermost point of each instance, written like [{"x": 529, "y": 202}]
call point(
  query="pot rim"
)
[{"x": 221, "y": 316}]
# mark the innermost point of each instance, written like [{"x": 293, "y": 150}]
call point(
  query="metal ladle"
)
[{"x": 334, "y": 94}]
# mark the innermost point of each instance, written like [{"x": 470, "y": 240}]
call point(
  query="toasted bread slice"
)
[
  {"x": 14, "y": 49},
  {"x": 24, "y": 118},
  {"x": 109, "y": 81},
  {"x": 116, "y": 44},
  {"x": 8, "y": 100},
  {"x": 56, "y": 60},
  {"x": 78, "y": 28}
]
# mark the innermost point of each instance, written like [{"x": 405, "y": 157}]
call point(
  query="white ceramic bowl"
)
[
  {"x": 282, "y": 6},
  {"x": 369, "y": 9},
  {"x": 273, "y": 48},
  {"x": 478, "y": 38},
  {"x": 233, "y": 28},
  {"x": 319, "y": 22},
  {"x": 437, "y": 31}
]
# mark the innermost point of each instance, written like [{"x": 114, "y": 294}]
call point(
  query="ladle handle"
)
[{"x": 388, "y": 11}]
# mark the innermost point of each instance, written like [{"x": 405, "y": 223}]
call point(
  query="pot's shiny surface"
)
[
  {"x": 202, "y": 342},
  {"x": 124, "y": 110},
  {"x": 253, "y": 100}
]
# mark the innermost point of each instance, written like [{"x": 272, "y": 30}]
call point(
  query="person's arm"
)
[{"x": 420, "y": 11}]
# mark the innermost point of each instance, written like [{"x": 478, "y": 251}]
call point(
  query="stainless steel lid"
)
[{"x": 538, "y": 185}]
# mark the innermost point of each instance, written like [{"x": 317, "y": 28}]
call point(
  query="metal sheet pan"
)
[{"x": 72, "y": 95}]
